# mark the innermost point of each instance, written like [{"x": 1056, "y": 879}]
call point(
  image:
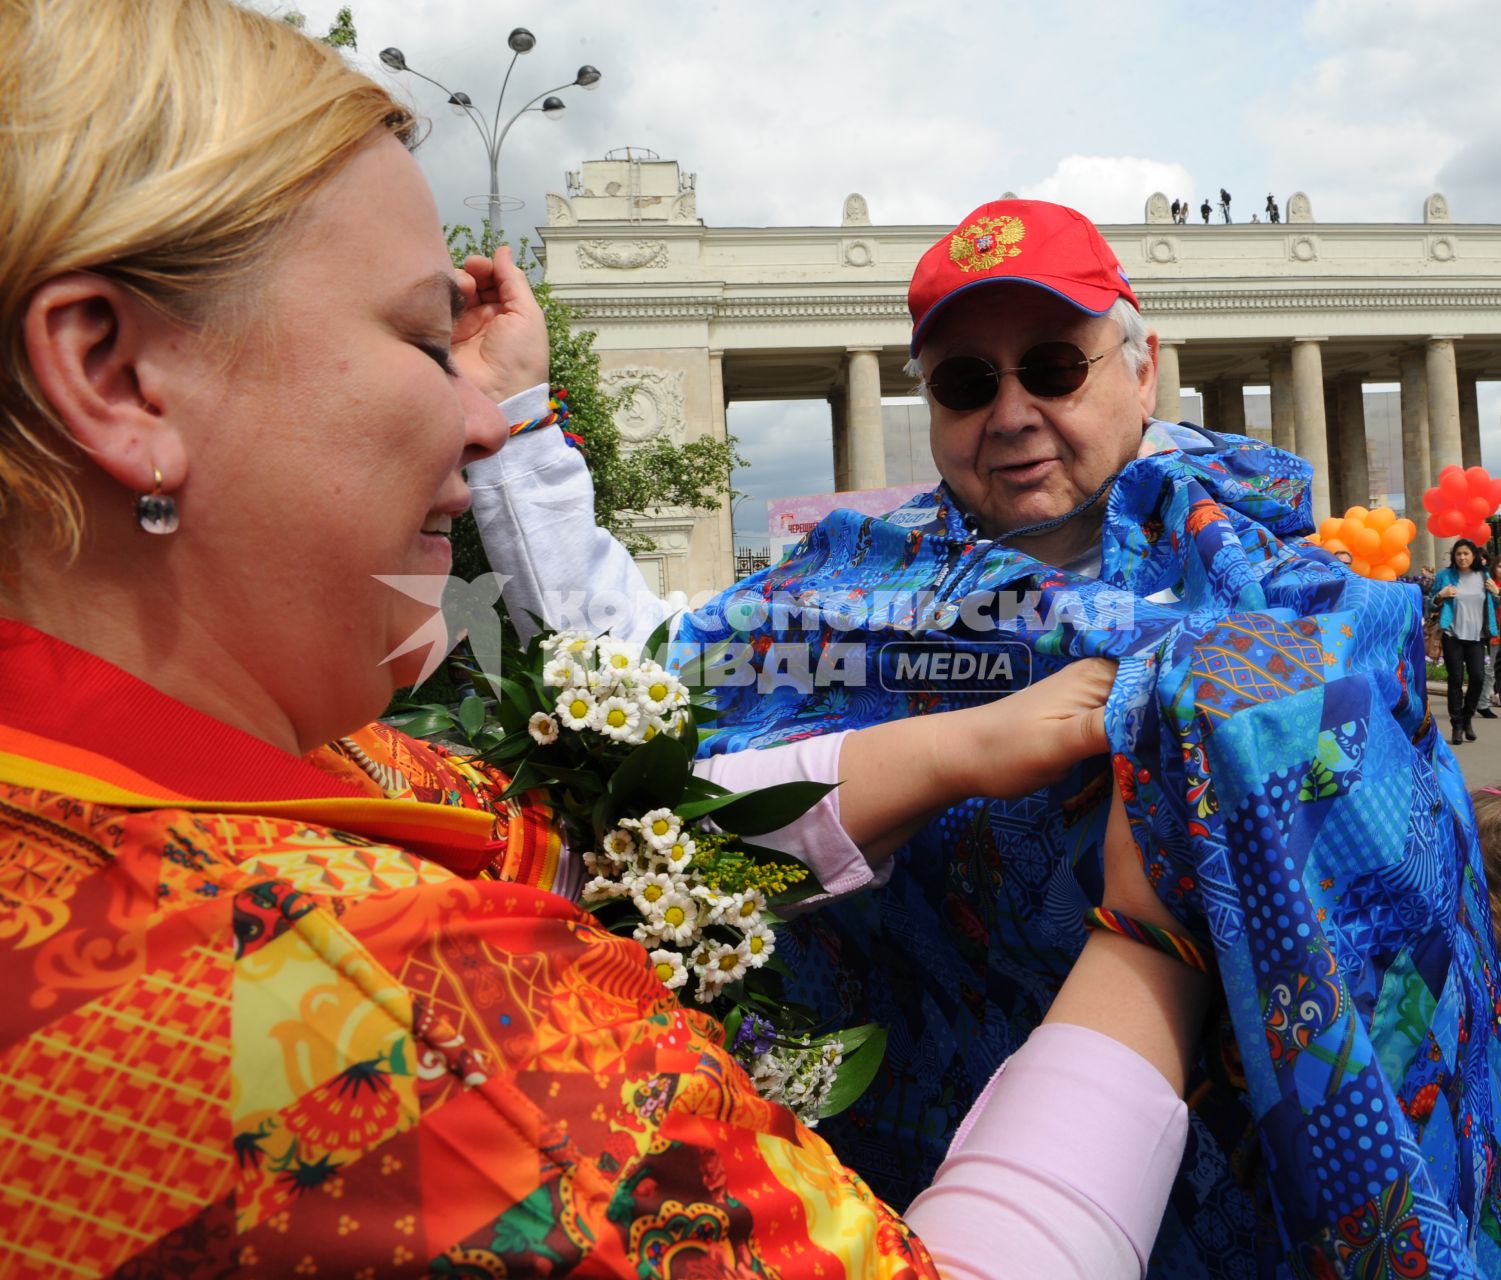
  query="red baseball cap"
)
[{"x": 1019, "y": 241}]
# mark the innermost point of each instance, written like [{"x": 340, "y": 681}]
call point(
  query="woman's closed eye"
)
[{"x": 444, "y": 357}]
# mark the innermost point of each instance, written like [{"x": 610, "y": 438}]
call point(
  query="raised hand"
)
[{"x": 500, "y": 341}]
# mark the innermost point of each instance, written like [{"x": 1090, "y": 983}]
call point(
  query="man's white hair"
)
[{"x": 1133, "y": 329}]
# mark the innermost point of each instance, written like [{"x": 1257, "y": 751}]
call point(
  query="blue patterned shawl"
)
[{"x": 1296, "y": 809}]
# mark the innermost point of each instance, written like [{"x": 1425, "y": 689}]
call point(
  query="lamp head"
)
[
  {"x": 458, "y": 98},
  {"x": 394, "y": 59},
  {"x": 587, "y": 77},
  {"x": 521, "y": 40},
  {"x": 552, "y": 108}
]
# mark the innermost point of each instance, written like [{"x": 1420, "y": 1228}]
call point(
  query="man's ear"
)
[
  {"x": 95, "y": 351},
  {"x": 1146, "y": 380}
]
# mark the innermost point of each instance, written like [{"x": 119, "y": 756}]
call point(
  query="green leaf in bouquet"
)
[
  {"x": 652, "y": 775},
  {"x": 544, "y": 696},
  {"x": 864, "y": 1050},
  {"x": 513, "y": 708},
  {"x": 694, "y": 673},
  {"x": 425, "y": 721},
  {"x": 584, "y": 781},
  {"x": 656, "y": 644},
  {"x": 753, "y": 813},
  {"x": 528, "y": 776},
  {"x": 510, "y": 747},
  {"x": 697, "y": 788},
  {"x": 732, "y": 1021},
  {"x": 602, "y": 817},
  {"x": 472, "y": 714},
  {"x": 703, "y": 712},
  {"x": 777, "y": 965}
]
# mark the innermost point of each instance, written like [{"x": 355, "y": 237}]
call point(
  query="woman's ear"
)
[{"x": 90, "y": 344}]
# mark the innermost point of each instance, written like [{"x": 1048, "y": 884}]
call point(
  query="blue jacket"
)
[{"x": 1448, "y": 578}]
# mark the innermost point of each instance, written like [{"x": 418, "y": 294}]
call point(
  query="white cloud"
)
[
  {"x": 1402, "y": 100},
  {"x": 1112, "y": 188}
]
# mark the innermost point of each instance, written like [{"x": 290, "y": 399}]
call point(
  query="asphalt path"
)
[{"x": 1480, "y": 760}]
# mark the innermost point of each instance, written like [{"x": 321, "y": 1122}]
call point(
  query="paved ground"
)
[{"x": 1480, "y": 760}]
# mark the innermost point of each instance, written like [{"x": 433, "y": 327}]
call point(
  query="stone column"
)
[
  {"x": 1355, "y": 470},
  {"x": 1469, "y": 419},
  {"x": 1443, "y": 404},
  {"x": 1231, "y": 407},
  {"x": 1280, "y": 375},
  {"x": 1209, "y": 404},
  {"x": 1308, "y": 418},
  {"x": 1169, "y": 382},
  {"x": 839, "y": 419},
  {"x": 1416, "y": 476},
  {"x": 867, "y": 439},
  {"x": 719, "y": 429},
  {"x": 1338, "y": 501}
]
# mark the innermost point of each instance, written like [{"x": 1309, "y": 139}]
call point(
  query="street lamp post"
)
[{"x": 492, "y": 132}]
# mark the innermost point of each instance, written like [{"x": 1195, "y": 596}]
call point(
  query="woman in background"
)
[{"x": 1464, "y": 597}]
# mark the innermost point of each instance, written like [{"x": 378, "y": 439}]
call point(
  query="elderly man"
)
[{"x": 1270, "y": 740}]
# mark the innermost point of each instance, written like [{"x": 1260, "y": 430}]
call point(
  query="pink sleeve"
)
[
  {"x": 1067, "y": 1156},
  {"x": 817, "y": 838}
]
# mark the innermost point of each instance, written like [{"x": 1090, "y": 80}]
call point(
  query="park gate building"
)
[{"x": 693, "y": 317}]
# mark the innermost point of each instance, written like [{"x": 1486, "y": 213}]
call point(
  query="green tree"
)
[{"x": 341, "y": 32}]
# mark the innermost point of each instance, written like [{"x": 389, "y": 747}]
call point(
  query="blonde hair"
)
[
  {"x": 160, "y": 143},
  {"x": 1487, "y": 803}
]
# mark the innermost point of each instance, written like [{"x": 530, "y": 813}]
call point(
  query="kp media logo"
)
[{"x": 929, "y": 666}]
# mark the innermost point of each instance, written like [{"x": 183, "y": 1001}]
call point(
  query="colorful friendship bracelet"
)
[
  {"x": 557, "y": 406},
  {"x": 1174, "y": 944}
]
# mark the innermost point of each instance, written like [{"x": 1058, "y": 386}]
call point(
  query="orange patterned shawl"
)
[{"x": 264, "y": 1020}]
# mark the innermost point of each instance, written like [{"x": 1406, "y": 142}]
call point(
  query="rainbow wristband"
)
[
  {"x": 557, "y": 414},
  {"x": 1174, "y": 944}
]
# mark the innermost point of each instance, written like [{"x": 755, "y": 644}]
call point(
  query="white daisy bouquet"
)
[{"x": 610, "y": 736}]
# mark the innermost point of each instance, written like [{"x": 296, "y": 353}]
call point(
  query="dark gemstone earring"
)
[{"x": 156, "y": 512}]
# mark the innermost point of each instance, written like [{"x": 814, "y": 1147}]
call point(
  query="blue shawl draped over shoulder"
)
[{"x": 1295, "y": 808}]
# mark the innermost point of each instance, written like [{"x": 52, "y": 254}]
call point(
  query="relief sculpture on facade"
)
[
  {"x": 655, "y": 405},
  {"x": 622, "y": 255}
]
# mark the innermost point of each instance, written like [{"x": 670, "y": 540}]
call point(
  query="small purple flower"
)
[{"x": 755, "y": 1033}]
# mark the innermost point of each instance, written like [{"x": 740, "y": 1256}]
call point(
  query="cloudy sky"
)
[{"x": 783, "y": 109}]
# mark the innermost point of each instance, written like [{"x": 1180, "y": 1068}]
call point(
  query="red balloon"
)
[
  {"x": 1479, "y": 479},
  {"x": 1453, "y": 485},
  {"x": 1433, "y": 501},
  {"x": 1479, "y": 534},
  {"x": 1477, "y": 507},
  {"x": 1495, "y": 491},
  {"x": 1445, "y": 524}
]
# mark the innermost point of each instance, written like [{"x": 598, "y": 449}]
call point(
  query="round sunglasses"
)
[{"x": 1049, "y": 370}]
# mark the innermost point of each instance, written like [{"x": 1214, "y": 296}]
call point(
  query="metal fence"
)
[{"x": 751, "y": 558}]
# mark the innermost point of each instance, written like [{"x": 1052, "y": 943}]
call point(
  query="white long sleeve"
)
[{"x": 534, "y": 504}]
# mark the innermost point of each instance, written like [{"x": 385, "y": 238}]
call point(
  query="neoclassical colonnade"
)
[{"x": 695, "y": 317}]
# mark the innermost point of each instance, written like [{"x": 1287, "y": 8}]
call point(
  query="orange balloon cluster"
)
[
  {"x": 1461, "y": 502},
  {"x": 1376, "y": 541}
]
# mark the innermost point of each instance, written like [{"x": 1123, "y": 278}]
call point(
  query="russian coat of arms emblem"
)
[{"x": 983, "y": 244}]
